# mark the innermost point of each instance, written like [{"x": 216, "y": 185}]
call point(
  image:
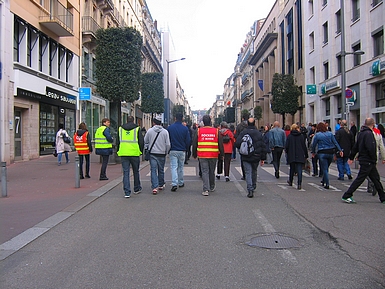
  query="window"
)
[
  {"x": 69, "y": 57},
  {"x": 19, "y": 32},
  {"x": 86, "y": 64},
  {"x": 355, "y": 10},
  {"x": 94, "y": 68},
  {"x": 326, "y": 70},
  {"x": 356, "y": 58},
  {"x": 311, "y": 41},
  {"x": 375, "y": 2},
  {"x": 324, "y": 2},
  {"x": 326, "y": 34},
  {"x": 60, "y": 61},
  {"x": 311, "y": 8},
  {"x": 380, "y": 95},
  {"x": 338, "y": 22},
  {"x": 312, "y": 75},
  {"x": 43, "y": 44},
  {"x": 339, "y": 64},
  {"x": 339, "y": 103},
  {"x": 327, "y": 106},
  {"x": 378, "y": 42},
  {"x": 52, "y": 54}
]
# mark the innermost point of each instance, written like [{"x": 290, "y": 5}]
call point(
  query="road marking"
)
[
  {"x": 187, "y": 171},
  {"x": 285, "y": 253}
]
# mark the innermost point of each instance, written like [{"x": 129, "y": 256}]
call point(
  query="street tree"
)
[
  {"x": 152, "y": 100},
  {"x": 285, "y": 95},
  {"x": 178, "y": 108},
  {"x": 118, "y": 68}
]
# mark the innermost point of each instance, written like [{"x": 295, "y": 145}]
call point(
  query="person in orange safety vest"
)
[
  {"x": 207, "y": 145},
  {"x": 83, "y": 146}
]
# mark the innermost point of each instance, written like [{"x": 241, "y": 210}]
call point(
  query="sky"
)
[{"x": 209, "y": 34}]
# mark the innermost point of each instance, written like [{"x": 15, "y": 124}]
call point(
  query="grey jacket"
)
[{"x": 162, "y": 145}]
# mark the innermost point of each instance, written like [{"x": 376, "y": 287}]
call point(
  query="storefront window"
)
[
  {"x": 48, "y": 127},
  {"x": 70, "y": 124},
  {"x": 96, "y": 118}
]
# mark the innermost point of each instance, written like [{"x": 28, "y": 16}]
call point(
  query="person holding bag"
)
[
  {"x": 61, "y": 146},
  {"x": 157, "y": 142}
]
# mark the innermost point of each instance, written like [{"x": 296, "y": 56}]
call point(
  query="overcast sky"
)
[{"x": 209, "y": 34}]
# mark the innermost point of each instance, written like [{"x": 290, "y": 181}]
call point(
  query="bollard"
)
[
  {"x": 3, "y": 179},
  {"x": 77, "y": 172}
]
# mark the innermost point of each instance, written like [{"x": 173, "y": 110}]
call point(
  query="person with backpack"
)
[
  {"x": 252, "y": 149},
  {"x": 228, "y": 142},
  {"x": 238, "y": 130}
]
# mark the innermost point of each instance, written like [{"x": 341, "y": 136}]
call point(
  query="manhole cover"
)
[{"x": 274, "y": 241}]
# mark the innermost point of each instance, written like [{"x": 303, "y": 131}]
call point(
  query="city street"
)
[{"x": 282, "y": 238}]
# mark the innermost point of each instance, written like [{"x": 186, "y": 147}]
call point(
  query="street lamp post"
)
[
  {"x": 345, "y": 108},
  {"x": 167, "y": 122}
]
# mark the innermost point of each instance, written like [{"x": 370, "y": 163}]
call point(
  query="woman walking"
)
[
  {"x": 61, "y": 146},
  {"x": 83, "y": 146},
  {"x": 327, "y": 144},
  {"x": 296, "y": 153}
]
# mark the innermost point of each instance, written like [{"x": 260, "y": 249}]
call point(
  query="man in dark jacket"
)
[
  {"x": 346, "y": 141},
  {"x": 250, "y": 162},
  {"x": 366, "y": 147},
  {"x": 180, "y": 142},
  {"x": 238, "y": 130}
]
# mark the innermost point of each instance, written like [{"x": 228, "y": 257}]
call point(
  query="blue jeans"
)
[
  {"x": 157, "y": 170},
  {"x": 251, "y": 175},
  {"x": 208, "y": 173},
  {"x": 295, "y": 167},
  {"x": 176, "y": 164},
  {"x": 59, "y": 156},
  {"x": 343, "y": 166},
  {"x": 134, "y": 161},
  {"x": 325, "y": 161}
]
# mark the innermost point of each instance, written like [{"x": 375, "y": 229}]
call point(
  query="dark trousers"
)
[
  {"x": 277, "y": 153},
  {"x": 104, "y": 166},
  {"x": 226, "y": 160},
  {"x": 81, "y": 161},
  {"x": 366, "y": 170},
  {"x": 295, "y": 168},
  {"x": 314, "y": 162}
]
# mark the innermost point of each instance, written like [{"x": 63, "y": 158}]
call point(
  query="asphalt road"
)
[{"x": 184, "y": 240}]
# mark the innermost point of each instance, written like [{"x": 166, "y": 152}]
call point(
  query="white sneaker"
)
[
  {"x": 160, "y": 188},
  {"x": 205, "y": 193},
  {"x": 154, "y": 191}
]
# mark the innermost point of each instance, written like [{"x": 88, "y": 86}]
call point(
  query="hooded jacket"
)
[
  {"x": 162, "y": 145},
  {"x": 295, "y": 148},
  {"x": 258, "y": 143},
  {"x": 130, "y": 126}
]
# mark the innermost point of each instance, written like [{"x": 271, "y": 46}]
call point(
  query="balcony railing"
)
[
  {"x": 56, "y": 18},
  {"x": 105, "y": 5},
  {"x": 89, "y": 25}
]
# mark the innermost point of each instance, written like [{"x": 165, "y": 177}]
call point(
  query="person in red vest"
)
[
  {"x": 83, "y": 146},
  {"x": 207, "y": 145}
]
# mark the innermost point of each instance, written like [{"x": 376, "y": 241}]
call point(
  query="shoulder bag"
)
[{"x": 147, "y": 153}]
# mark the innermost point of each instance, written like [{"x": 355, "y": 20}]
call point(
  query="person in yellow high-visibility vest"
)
[
  {"x": 103, "y": 146},
  {"x": 130, "y": 148}
]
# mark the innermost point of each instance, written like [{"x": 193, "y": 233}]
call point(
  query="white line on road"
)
[{"x": 286, "y": 254}]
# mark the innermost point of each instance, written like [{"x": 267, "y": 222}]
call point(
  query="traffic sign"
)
[{"x": 348, "y": 93}]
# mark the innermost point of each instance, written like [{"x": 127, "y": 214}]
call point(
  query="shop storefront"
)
[{"x": 55, "y": 107}]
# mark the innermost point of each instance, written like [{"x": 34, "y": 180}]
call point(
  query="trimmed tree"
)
[
  {"x": 178, "y": 108},
  {"x": 118, "y": 68},
  {"x": 152, "y": 100},
  {"x": 285, "y": 95}
]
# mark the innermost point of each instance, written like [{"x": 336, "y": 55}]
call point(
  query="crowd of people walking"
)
[{"x": 215, "y": 147}]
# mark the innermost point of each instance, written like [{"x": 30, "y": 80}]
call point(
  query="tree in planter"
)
[
  {"x": 152, "y": 100},
  {"x": 178, "y": 108},
  {"x": 285, "y": 95},
  {"x": 118, "y": 68},
  {"x": 258, "y": 113}
]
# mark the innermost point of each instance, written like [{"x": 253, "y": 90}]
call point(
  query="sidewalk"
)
[{"x": 38, "y": 189}]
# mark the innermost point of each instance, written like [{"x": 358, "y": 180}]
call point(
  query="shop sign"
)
[
  {"x": 329, "y": 86},
  {"x": 28, "y": 94},
  {"x": 54, "y": 96},
  {"x": 84, "y": 93},
  {"x": 311, "y": 89}
]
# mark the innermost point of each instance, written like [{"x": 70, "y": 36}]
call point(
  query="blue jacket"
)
[
  {"x": 325, "y": 141},
  {"x": 179, "y": 137},
  {"x": 277, "y": 138}
]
